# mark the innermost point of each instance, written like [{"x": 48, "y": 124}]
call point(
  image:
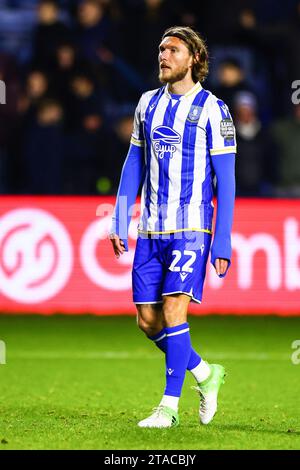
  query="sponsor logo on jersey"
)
[{"x": 164, "y": 139}]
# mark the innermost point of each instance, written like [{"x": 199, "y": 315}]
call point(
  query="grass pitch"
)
[{"x": 83, "y": 382}]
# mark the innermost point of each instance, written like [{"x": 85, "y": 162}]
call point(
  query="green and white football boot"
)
[
  {"x": 163, "y": 417},
  {"x": 208, "y": 391}
]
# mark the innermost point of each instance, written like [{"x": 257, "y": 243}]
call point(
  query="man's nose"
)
[{"x": 164, "y": 55}]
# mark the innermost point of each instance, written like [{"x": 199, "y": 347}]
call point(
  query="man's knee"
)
[
  {"x": 150, "y": 329},
  {"x": 149, "y": 320}
]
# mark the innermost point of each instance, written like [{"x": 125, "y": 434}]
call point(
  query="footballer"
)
[{"x": 183, "y": 138}]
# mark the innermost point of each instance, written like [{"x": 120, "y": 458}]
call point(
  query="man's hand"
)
[
  {"x": 118, "y": 244},
  {"x": 221, "y": 266}
]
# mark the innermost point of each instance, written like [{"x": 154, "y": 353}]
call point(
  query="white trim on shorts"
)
[
  {"x": 181, "y": 292},
  {"x": 155, "y": 302}
]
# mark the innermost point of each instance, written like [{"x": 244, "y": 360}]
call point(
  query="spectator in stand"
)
[
  {"x": 255, "y": 171},
  {"x": 293, "y": 44},
  {"x": 219, "y": 21},
  {"x": 8, "y": 117},
  {"x": 37, "y": 84},
  {"x": 43, "y": 149},
  {"x": 286, "y": 134},
  {"x": 94, "y": 29},
  {"x": 64, "y": 67},
  {"x": 85, "y": 141},
  {"x": 231, "y": 81},
  {"x": 86, "y": 156},
  {"x": 95, "y": 36},
  {"x": 276, "y": 45},
  {"x": 143, "y": 29},
  {"x": 69, "y": 64},
  {"x": 49, "y": 32},
  {"x": 36, "y": 87},
  {"x": 86, "y": 99}
]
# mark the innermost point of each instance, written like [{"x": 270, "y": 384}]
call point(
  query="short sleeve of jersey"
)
[
  {"x": 137, "y": 137},
  {"x": 220, "y": 129}
]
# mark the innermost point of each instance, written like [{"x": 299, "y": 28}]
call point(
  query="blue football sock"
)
[
  {"x": 178, "y": 352},
  {"x": 160, "y": 339}
]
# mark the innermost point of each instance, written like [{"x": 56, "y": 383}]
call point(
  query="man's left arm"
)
[
  {"x": 224, "y": 167},
  {"x": 221, "y": 141}
]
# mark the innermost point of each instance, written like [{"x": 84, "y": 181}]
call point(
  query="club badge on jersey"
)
[{"x": 195, "y": 113}]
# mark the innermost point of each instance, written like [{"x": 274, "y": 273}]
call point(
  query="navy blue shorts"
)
[{"x": 169, "y": 264}]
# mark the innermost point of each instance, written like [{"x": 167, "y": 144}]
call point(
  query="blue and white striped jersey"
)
[{"x": 179, "y": 134}]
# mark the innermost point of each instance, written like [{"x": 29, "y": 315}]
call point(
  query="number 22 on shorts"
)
[{"x": 187, "y": 265}]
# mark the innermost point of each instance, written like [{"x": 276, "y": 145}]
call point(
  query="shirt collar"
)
[{"x": 196, "y": 88}]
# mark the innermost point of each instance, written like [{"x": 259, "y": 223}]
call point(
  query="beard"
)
[{"x": 174, "y": 77}]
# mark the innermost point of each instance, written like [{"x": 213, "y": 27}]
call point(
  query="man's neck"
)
[{"x": 181, "y": 87}]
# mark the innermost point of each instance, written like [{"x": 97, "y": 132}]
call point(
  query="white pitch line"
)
[{"x": 230, "y": 356}]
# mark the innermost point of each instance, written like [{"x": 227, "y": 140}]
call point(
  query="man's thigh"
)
[{"x": 147, "y": 272}]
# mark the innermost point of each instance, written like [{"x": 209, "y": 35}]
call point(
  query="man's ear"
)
[{"x": 196, "y": 57}]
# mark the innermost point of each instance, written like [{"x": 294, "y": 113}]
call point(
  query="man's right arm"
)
[{"x": 131, "y": 177}]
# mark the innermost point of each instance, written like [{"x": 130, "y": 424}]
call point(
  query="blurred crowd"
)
[{"x": 75, "y": 69}]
